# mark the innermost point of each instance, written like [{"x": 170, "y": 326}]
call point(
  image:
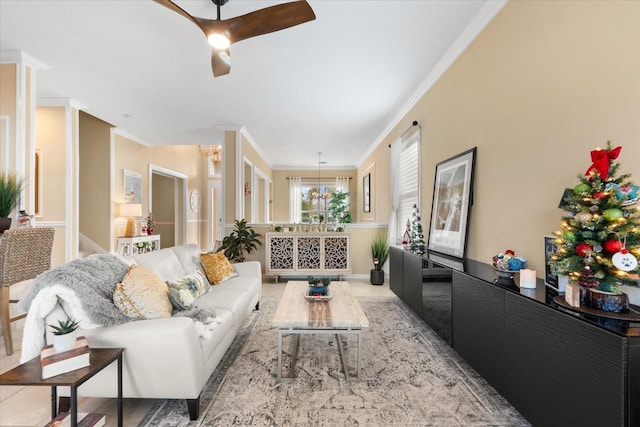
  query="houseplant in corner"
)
[
  {"x": 243, "y": 239},
  {"x": 379, "y": 255},
  {"x": 10, "y": 189},
  {"x": 63, "y": 338}
]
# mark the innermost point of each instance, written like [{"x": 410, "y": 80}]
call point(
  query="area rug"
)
[{"x": 410, "y": 377}]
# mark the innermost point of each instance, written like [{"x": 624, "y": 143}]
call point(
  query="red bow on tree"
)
[{"x": 600, "y": 159}]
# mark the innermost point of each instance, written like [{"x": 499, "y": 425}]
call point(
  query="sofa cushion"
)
[
  {"x": 217, "y": 268},
  {"x": 142, "y": 295},
  {"x": 245, "y": 283},
  {"x": 234, "y": 300},
  {"x": 184, "y": 291}
]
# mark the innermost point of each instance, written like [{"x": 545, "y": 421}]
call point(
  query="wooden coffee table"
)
[
  {"x": 30, "y": 373},
  {"x": 341, "y": 314}
]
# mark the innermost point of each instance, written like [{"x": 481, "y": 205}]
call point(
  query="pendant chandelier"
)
[
  {"x": 318, "y": 194},
  {"x": 211, "y": 151}
]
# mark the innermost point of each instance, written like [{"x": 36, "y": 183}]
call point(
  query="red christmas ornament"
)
[
  {"x": 612, "y": 246},
  {"x": 582, "y": 249},
  {"x": 599, "y": 195}
]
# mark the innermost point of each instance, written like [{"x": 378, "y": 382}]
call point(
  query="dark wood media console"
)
[{"x": 556, "y": 367}]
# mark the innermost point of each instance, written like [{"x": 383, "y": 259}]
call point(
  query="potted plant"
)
[
  {"x": 63, "y": 339},
  {"x": 243, "y": 239},
  {"x": 379, "y": 255},
  {"x": 10, "y": 189},
  {"x": 339, "y": 208},
  {"x": 318, "y": 285}
]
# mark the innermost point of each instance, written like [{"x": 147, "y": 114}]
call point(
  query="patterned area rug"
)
[{"x": 410, "y": 378}]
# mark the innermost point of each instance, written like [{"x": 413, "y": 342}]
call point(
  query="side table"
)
[{"x": 30, "y": 373}]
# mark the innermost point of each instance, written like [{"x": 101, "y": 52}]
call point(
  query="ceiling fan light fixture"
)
[{"x": 219, "y": 41}]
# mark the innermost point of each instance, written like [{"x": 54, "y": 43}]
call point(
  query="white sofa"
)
[{"x": 166, "y": 358}]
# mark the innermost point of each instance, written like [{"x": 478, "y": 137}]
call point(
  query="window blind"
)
[{"x": 409, "y": 179}]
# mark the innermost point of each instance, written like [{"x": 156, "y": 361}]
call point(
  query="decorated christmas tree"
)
[
  {"x": 417, "y": 236},
  {"x": 599, "y": 243}
]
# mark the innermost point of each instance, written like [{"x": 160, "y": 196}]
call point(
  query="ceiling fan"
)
[{"x": 222, "y": 32}]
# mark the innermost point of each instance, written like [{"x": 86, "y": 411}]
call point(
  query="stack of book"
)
[
  {"x": 54, "y": 363},
  {"x": 85, "y": 419}
]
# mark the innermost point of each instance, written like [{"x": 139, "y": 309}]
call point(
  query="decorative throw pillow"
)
[
  {"x": 217, "y": 268},
  {"x": 142, "y": 295},
  {"x": 184, "y": 291}
]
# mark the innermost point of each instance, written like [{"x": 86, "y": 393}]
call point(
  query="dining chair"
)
[{"x": 24, "y": 253}]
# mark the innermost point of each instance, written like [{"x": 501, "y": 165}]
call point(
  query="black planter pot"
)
[
  {"x": 5, "y": 224},
  {"x": 376, "y": 277}
]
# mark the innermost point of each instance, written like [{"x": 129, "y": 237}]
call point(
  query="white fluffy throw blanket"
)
[{"x": 85, "y": 288}]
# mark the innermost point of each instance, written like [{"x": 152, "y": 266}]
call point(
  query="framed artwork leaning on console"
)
[{"x": 451, "y": 205}]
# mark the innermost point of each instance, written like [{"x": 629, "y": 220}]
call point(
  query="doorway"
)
[{"x": 167, "y": 198}]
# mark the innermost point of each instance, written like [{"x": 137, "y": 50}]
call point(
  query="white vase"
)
[{"x": 64, "y": 342}]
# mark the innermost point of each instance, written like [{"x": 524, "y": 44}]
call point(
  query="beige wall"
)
[
  {"x": 51, "y": 136},
  {"x": 229, "y": 178},
  {"x": 249, "y": 152},
  {"x": 50, "y": 139},
  {"x": 95, "y": 179},
  {"x": 377, "y": 164},
  {"x": 541, "y": 86},
  {"x": 8, "y": 99}
]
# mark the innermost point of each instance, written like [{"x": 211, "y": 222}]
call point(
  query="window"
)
[
  {"x": 315, "y": 200},
  {"x": 409, "y": 180}
]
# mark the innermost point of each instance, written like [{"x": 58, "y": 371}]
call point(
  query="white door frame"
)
[{"x": 215, "y": 223}]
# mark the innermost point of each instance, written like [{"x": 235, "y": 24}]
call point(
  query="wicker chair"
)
[{"x": 24, "y": 253}]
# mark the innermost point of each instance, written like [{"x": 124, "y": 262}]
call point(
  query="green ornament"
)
[
  {"x": 581, "y": 189},
  {"x": 569, "y": 236},
  {"x": 612, "y": 214}
]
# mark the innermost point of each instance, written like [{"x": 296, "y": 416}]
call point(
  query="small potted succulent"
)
[{"x": 63, "y": 338}]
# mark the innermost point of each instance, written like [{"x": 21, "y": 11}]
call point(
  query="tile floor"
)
[{"x": 30, "y": 406}]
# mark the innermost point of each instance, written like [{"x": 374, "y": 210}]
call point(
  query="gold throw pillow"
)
[
  {"x": 217, "y": 268},
  {"x": 142, "y": 295}
]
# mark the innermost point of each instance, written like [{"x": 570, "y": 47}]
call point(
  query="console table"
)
[
  {"x": 556, "y": 367},
  {"x": 308, "y": 253}
]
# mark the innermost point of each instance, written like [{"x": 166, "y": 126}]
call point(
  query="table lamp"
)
[{"x": 130, "y": 210}]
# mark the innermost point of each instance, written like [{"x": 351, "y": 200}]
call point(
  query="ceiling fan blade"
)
[
  {"x": 220, "y": 62},
  {"x": 263, "y": 21},
  {"x": 172, "y": 6}
]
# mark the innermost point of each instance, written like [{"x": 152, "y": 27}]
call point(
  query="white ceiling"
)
[{"x": 334, "y": 85}]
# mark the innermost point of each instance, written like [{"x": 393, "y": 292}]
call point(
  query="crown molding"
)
[
  {"x": 135, "y": 139},
  {"x": 475, "y": 27},
  {"x": 60, "y": 102},
  {"x": 22, "y": 58}
]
